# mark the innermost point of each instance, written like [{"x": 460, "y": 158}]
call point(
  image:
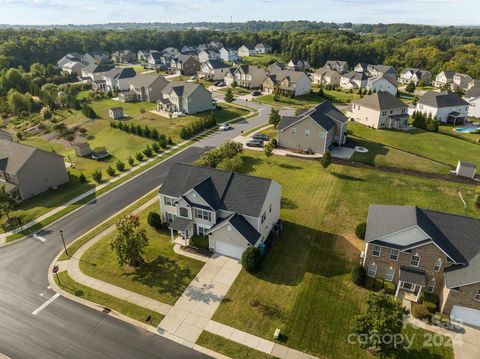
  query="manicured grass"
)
[
  {"x": 164, "y": 275},
  {"x": 340, "y": 96},
  {"x": 304, "y": 286},
  {"x": 126, "y": 308},
  {"x": 435, "y": 146},
  {"x": 382, "y": 155},
  {"x": 261, "y": 60},
  {"x": 229, "y": 348},
  {"x": 300, "y": 101},
  {"x": 449, "y": 130},
  {"x": 237, "y": 91}
]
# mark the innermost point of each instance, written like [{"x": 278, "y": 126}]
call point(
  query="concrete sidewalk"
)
[
  {"x": 73, "y": 268},
  {"x": 195, "y": 307}
]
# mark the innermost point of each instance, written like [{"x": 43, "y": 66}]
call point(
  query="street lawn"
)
[
  {"x": 164, "y": 275},
  {"x": 123, "y": 307},
  {"x": 238, "y": 91},
  {"x": 298, "y": 102},
  {"x": 381, "y": 155},
  {"x": 229, "y": 348},
  {"x": 449, "y": 130},
  {"x": 435, "y": 146},
  {"x": 261, "y": 60},
  {"x": 304, "y": 286},
  {"x": 338, "y": 96}
]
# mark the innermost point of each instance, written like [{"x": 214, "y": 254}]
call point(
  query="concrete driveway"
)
[{"x": 468, "y": 347}]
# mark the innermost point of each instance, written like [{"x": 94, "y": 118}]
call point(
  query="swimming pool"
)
[{"x": 466, "y": 129}]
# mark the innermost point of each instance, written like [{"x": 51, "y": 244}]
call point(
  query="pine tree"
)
[{"x": 229, "y": 96}]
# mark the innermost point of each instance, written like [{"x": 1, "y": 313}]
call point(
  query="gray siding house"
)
[
  {"x": 186, "y": 97},
  {"x": 27, "y": 171},
  {"x": 233, "y": 210},
  {"x": 314, "y": 130}
]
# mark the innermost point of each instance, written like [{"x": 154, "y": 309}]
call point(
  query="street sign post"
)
[{"x": 55, "y": 271}]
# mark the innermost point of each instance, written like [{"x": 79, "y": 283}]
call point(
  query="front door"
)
[{"x": 409, "y": 287}]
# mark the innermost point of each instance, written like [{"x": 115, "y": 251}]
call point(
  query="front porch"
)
[
  {"x": 181, "y": 230},
  {"x": 410, "y": 284}
]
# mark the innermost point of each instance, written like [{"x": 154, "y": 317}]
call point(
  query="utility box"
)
[{"x": 276, "y": 335}]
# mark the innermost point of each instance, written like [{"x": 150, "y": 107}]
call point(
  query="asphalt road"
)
[{"x": 66, "y": 329}]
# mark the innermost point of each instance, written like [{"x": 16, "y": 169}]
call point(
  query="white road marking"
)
[
  {"x": 40, "y": 238},
  {"x": 44, "y": 305}
]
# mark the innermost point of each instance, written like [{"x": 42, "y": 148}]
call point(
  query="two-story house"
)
[
  {"x": 263, "y": 48},
  {"x": 472, "y": 96},
  {"x": 214, "y": 70},
  {"x": 287, "y": 83},
  {"x": 353, "y": 80},
  {"x": 27, "y": 171},
  {"x": 244, "y": 51},
  {"x": 382, "y": 83},
  {"x": 124, "y": 56},
  {"x": 445, "y": 106},
  {"x": 379, "y": 110},
  {"x": 443, "y": 79},
  {"x": 415, "y": 75},
  {"x": 325, "y": 76},
  {"x": 206, "y": 55},
  {"x": 423, "y": 250},
  {"x": 460, "y": 81},
  {"x": 233, "y": 210},
  {"x": 186, "y": 97},
  {"x": 339, "y": 66},
  {"x": 246, "y": 76},
  {"x": 228, "y": 54},
  {"x": 118, "y": 79},
  {"x": 315, "y": 130},
  {"x": 95, "y": 72},
  {"x": 144, "y": 87},
  {"x": 298, "y": 65},
  {"x": 185, "y": 64}
]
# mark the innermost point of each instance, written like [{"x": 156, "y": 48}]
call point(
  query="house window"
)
[
  {"x": 438, "y": 265},
  {"x": 376, "y": 250},
  {"x": 264, "y": 217},
  {"x": 394, "y": 254},
  {"x": 307, "y": 133},
  {"x": 431, "y": 285},
  {"x": 183, "y": 212},
  {"x": 201, "y": 214},
  {"x": 384, "y": 113},
  {"x": 229, "y": 228},
  {"x": 202, "y": 231},
  {"x": 389, "y": 274},
  {"x": 322, "y": 134},
  {"x": 294, "y": 130},
  {"x": 415, "y": 260},
  {"x": 477, "y": 295},
  {"x": 169, "y": 217},
  {"x": 168, "y": 201},
  {"x": 372, "y": 270}
]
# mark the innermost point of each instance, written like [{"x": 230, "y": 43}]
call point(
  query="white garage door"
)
[
  {"x": 465, "y": 315},
  {"x": 229, "y": 250}
]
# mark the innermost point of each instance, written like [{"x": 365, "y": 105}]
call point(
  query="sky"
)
[{"x": 47, "y": 12}]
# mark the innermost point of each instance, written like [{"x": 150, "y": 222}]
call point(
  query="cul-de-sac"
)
[{"x": 224, "y": 179}]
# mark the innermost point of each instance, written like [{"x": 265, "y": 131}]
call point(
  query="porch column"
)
[
  {"x": 418, "y": 294},
  {"x": 171, "y": 234},
  {"x": 398, "y": 288}
]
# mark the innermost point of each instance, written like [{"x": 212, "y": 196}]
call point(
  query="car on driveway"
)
[
  {"x": 225, "y": 127},
  {"x": 256, "y": 93},
  {"x": 255, "y": 143},
  {"x": 261, "y": 136}
]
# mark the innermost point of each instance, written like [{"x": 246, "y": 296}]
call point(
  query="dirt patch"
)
[{"x": 354, "y": 241}]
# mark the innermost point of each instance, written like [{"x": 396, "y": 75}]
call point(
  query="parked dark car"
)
[
  {"x": 261, "y": 136},
  {"x": 255, "y": 143},
  {"x": 256, "y": 93},
  {"x": 220, "y": 84}
]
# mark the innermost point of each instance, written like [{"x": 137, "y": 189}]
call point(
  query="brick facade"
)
[{"x": 429, "y": 253}]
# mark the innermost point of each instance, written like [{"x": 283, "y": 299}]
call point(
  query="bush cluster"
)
[
  {"x": 214, "y": 157},
  {"x": 198, "y": 126},
  {"x": 423, "y": 121},
  {"x": 143, "y": 131}
]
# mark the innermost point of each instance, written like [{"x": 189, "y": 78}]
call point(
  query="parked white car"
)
[{"x": 225, "y": 127}]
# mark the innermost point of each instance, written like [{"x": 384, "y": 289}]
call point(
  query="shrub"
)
[
  {"x": 419, "y": 311},
  {"x": 120, "y": 166},
  {"x": 88, "y": 111},
  {"x": 274, "y": 142},
  {"x": 82, "y": 178},
  {"x": 358, "y": 275},
  {"x": 389, "y": 287},
  {"x": 139, "y": 156},
  {"x": 199, "y": 242},
  {"x": 156, "y": 147},
  {"x": 360, "y": 230},
  {"x": 477, "y": 202},
  {"x": 131, "y": 161},
  {"x": 430, "y": 306},
  {"x": 111, "y": 171},
  {"x": 154, "y": 220},
  {"x": 148, "y": 151},
  {"x": 252, "y": 259},
  {"x": 254, "y": 302},
  {"x": 97, "y": 176}
]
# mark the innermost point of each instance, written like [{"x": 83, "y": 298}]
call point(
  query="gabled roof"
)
[
  {"x": 230, "y": 191},
  {"x": 380, "y": 101},
  {"x": 13, "y": 156},
  {"x": 94, "y": 68},
  {"x": 353, "y": 75},
  {"x": 473, "y": 92},
  {"x": 146, "y": 80},
  {"x": 412, "y": 275},
  {"x": 448, "y": 74},
  {"x": 441, "y": 99},
  {"x": 217, "y": 64},
  {"x": 182, "y": 89},
  {"x": 324, "y": 114},
  {"x": 292, "y": 76},
  {"x": 334, "y": 64},
  {"x": 121, "y": 73},
  {"x": 262, "y": 45}
]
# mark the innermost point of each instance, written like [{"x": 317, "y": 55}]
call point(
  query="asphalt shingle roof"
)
[
  {"x": 380, "y": 101},
  {"x": 441, "y": 99},
  {"x": 473, "y": 92},
  {"x": 411, "y": 275},
  {"x": 325, "y": 114}
]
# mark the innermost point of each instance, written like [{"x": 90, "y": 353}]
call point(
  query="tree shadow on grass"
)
[
  {"x": 287, "y": 203},
  {"x": 250, "y": 163},
  {"x": 289, "y": 166},
  {"x": 164, "y": 275},
  {"x": 347, "y": 177},
  {"x": 300, "y": 250}
]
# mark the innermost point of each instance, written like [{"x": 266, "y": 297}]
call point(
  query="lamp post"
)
[{"x": 63, "y": 240}]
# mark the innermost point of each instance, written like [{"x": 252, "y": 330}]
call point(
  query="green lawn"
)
[
  {"x": 126, "y": 308},
  {"x": 229, "y": 348},
  {"x": 449, "y": 130},
  {"x": 261, "y": 60},
  {"x": 300, "y": 101},
  {"x": 435, "y": 146},
  {"x": 164, "y": 275},
  {"x": 381, "y": 155},
  {"x": 237, "y": 91},
  {"x": 311, "y": 299}
]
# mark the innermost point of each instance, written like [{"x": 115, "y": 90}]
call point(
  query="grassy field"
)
[
  {"x": 311, "y": 299},
  {"x": 164, "y": 275},
  {"x": 435, "y": 146},
  {"x": 381, "y": 155},
  {"x": 229, "y": 348},
  {"x": 449, "y": 130},
  {"x": 300, "y": 101},
  {"x": 126, "y": 308},
  {"x": 237, "y": 91},
  {"x": 261, "y": 60}
]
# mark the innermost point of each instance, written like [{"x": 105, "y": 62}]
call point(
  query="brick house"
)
[{"x": 423, "y": 250}]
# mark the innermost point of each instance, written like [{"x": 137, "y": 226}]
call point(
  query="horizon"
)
[{"x": 103, "y": 12}]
